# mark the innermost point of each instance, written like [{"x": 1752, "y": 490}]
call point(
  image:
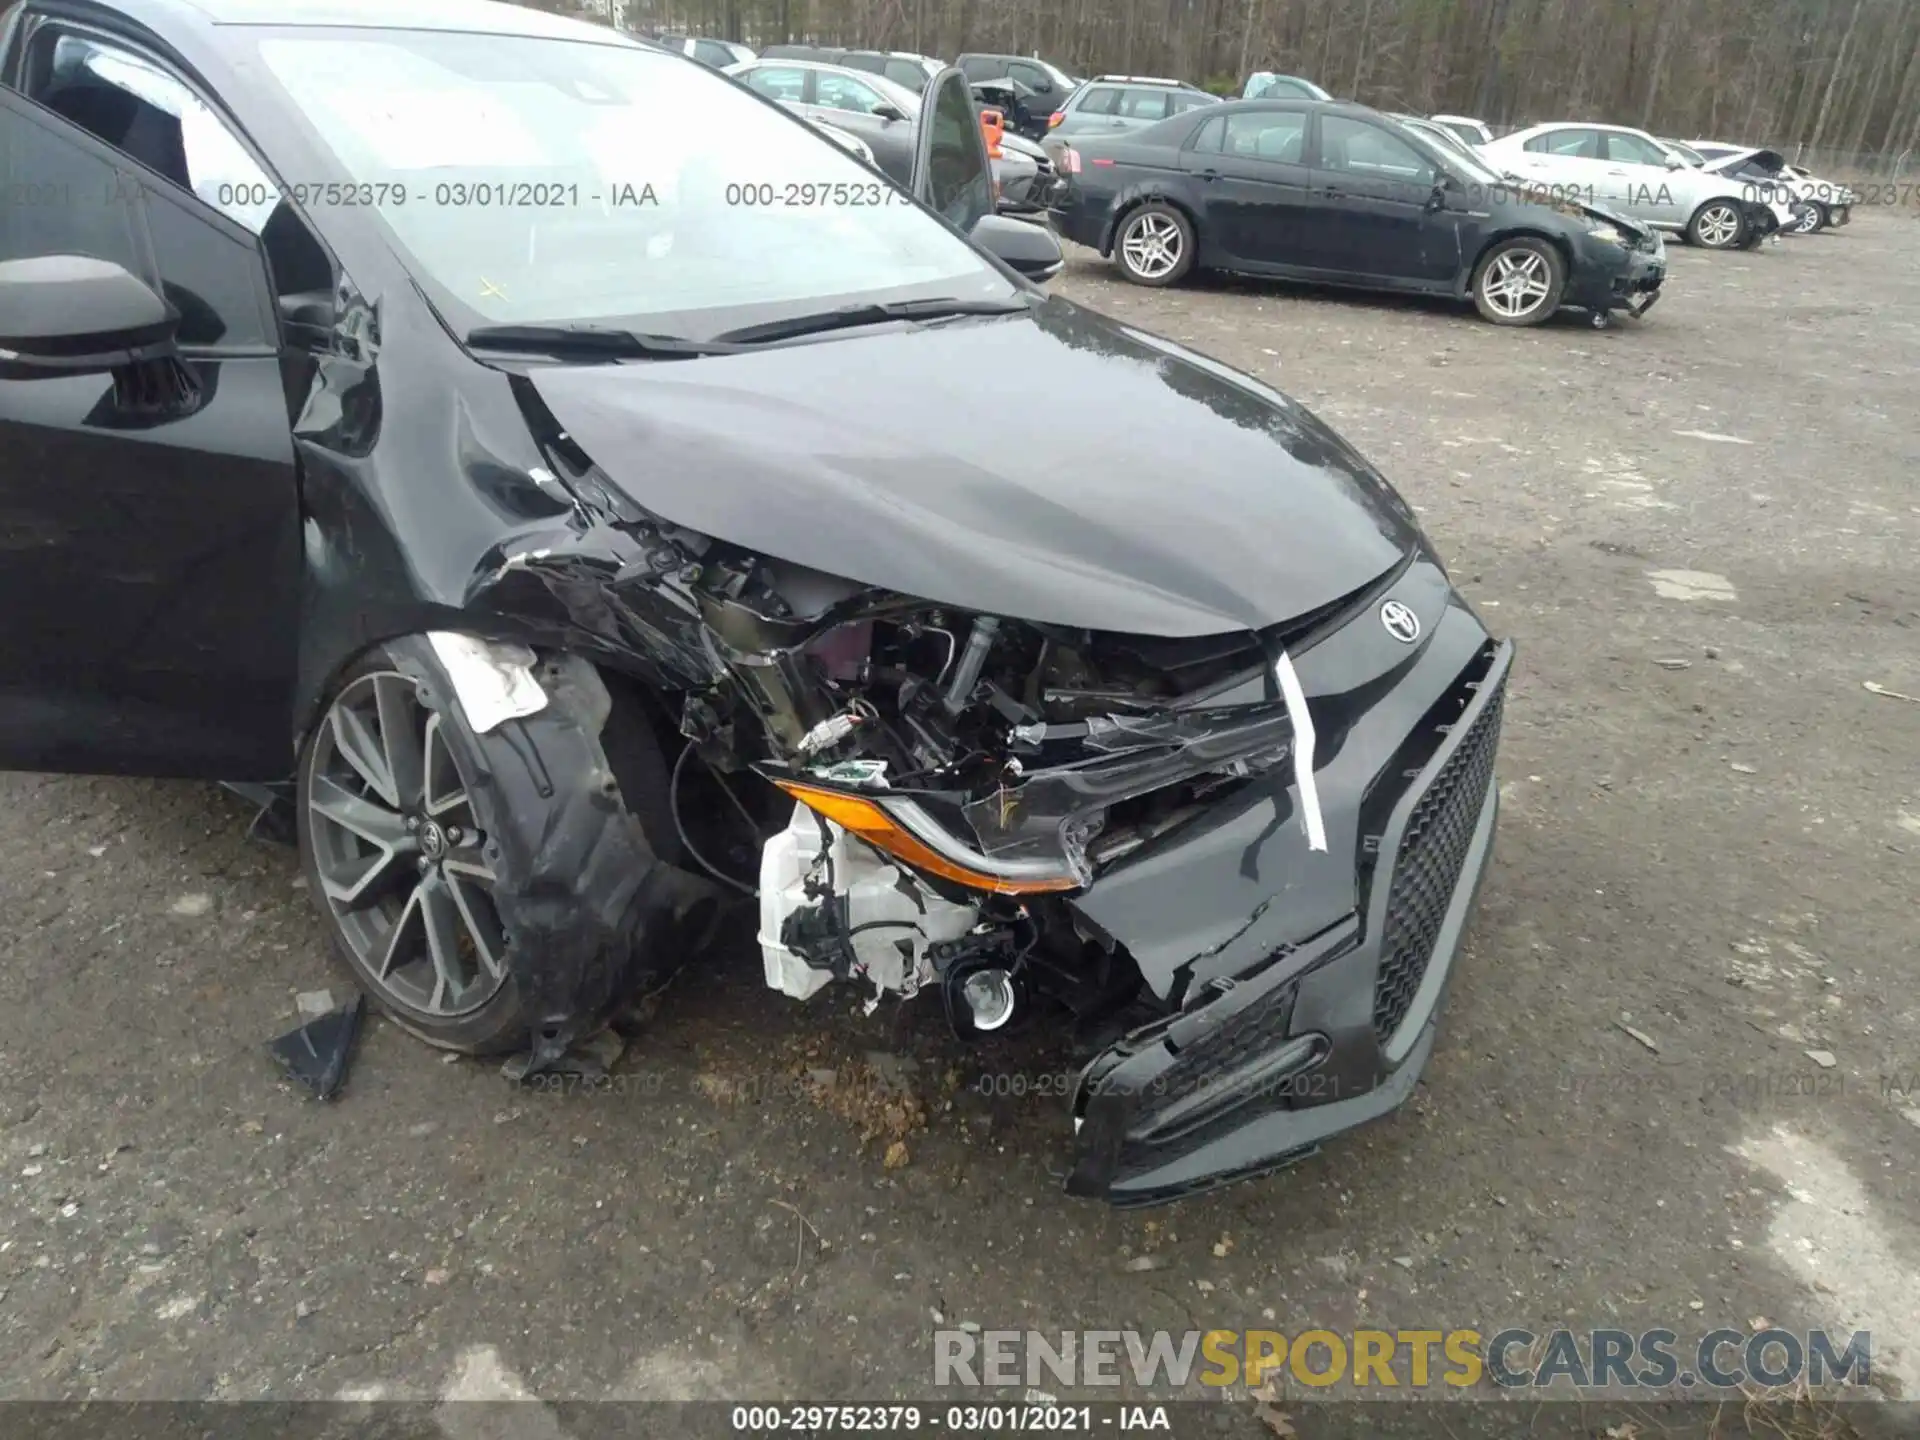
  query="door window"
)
[
  {"x": 712, "y": 52},
  {"x": 1634, "y": 150},
  {"x": 905, "y": 72},
  {"x": 1572, "y": 143},
  {"x": 1207, "y": 140},
  {"x": 1182, "y": 101},
  {"x": 957, "y": 181},
  {"x": 1279, "y": 136},
  {"x": 1143, "y": 104},
  {"x": 1353, "y": 147},
  {"x": 149, "y": 115},
  {"x": 982, "y": 67},
  {"x": 778, "y": 82},
  {"x": 207, "y": 265},
  {"x": 843, "y": 92},
  {"x": 1099, "y": 100}
]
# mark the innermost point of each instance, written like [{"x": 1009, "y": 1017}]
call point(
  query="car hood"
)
[
  {"x": 1139, "y": 487},
  {"x": 1613, "y": 218}
]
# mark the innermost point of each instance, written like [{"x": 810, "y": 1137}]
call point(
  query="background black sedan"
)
[{"x": 1341, "y": 194}]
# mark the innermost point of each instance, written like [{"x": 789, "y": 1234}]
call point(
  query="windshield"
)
[
  {"x": 535, "y": 180},
  {"x": 1685, "y": 152}
]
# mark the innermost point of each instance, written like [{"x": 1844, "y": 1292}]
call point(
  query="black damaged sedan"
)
[
  {"x": 1338, "y": 194},
  {"x": 374, "y": 425}
]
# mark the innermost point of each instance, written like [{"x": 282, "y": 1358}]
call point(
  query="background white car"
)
[
  {"x": 1630, "y": 171},
  {"x": 1819, "y": 203}
]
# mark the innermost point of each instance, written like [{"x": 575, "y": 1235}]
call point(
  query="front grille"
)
[{"x": 1426, "y": 871}]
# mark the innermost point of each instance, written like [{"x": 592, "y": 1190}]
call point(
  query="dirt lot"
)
[{"x": 1678, "y": 1083}]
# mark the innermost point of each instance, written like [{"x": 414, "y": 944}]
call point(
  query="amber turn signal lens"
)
[{"x": 860, "y": 816}]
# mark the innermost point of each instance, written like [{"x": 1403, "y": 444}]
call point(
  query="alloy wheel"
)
[
  {"x": 1809, "y": 220},
  {"x": 1718, "y": 226},
  {"x": 402, "y": 862},
  {"x": 1153, "y": 246},
  {"x": 1516, "y": 283}
]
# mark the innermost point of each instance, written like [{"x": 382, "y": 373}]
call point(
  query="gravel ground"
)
[{"x": 1678, "y": 1083}]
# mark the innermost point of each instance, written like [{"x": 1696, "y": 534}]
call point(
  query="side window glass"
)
[
  {"x": 958, "y": 182},
  {"x": 1579, "y": 144},
  {"x": 208, "y": 267},
  {"x": 838, "y": 92},
  {"x": 1207, "y": 141},
  {"x": 150, "y": 116},
  {"x": 1354, "y": 147},
  {"x": 1276, "y": 136},
  {"x": 63, "y": 198},
  {"x": 778, "y": 82},
  {"x": 1180, "y": 104},
  {"x": 1632, "y": 150},
  {"x": 213, "y": 277},
  {"x": 1143, "y": 104},
  {"x": 712, "y": 52},
  {"x": 1099, "y": 100}
]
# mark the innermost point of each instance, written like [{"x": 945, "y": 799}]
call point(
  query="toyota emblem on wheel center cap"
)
[{"x": 1402, "y": 624}]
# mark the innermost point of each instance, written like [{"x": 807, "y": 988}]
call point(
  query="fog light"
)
[{"x": 988, "y": 995}]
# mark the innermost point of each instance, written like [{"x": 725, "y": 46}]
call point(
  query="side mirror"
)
[
  {"x": 888, "y": 112},
  {"x": 75, "y": 315},
  {"x": 1674, "y": 162},
  {"x": 951, "y": 171},
  {"x": 1021, "y": 245},
  {"x": 1437, "y": 196}
]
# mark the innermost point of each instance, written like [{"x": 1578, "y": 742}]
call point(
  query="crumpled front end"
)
[
  {"x": 1302, "y": 1026},
  {"x": 1233, "y": 866}
]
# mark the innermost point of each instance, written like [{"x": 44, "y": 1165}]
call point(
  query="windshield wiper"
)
[
  {"x": 592, "y": 342},
  {"x": 877, "y": 313}
]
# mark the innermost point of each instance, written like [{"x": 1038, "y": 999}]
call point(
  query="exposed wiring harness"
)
[{"x": 673, "y": 808}]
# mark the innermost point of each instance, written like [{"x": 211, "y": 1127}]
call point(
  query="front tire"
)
[
  {"x": 1718, "y": 225},
  {"x": 1155, "y": 245},
  {"x": 1519, "y": 282},
  {"x": 410, "y": 833},
  {"x": 1813, "y": 219}
]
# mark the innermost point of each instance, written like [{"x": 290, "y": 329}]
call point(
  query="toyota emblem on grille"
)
[{"x": 1402, "y": 624}]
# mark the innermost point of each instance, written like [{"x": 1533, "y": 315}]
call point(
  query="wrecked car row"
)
[{"x": 573, "y": 607}]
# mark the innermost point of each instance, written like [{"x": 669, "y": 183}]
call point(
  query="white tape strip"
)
[
  {"x": 494, "y": 682},
  {"x": 1302, "y": 719}
]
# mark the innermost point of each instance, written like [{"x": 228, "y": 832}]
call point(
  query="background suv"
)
[{"x": 1124, "y": 102}]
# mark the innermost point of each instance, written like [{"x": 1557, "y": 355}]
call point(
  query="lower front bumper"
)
[
  {"x": 1627, "y": 281},
  {"x": 1329, "y": 1033}
]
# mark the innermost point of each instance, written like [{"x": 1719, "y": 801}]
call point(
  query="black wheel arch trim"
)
[{"x": 591, "y": 912}]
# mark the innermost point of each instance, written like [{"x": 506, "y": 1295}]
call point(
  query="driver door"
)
[
  {"x": 1639, "y": 180},
  {"x": 1384, "y": 218},
  {"x": 149, "y": 516},
  {"x": 951, "y": 173}
]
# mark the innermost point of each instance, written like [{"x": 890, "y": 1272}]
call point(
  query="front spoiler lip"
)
[{"x": 1280, "y": 1137}]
